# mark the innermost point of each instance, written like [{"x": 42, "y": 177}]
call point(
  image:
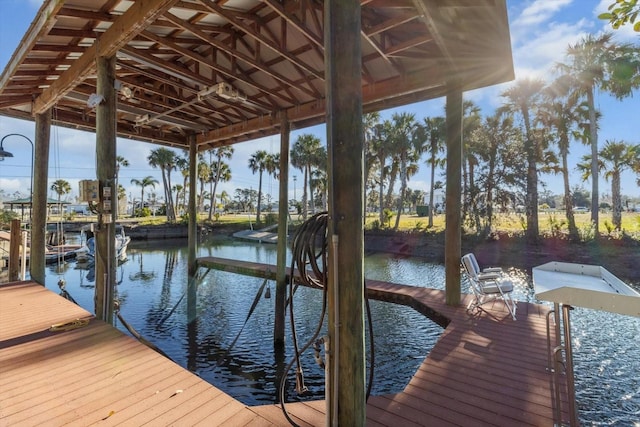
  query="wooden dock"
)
[
  {"x": 264, "y": 235},
  {"x": 486, "y": 369}
]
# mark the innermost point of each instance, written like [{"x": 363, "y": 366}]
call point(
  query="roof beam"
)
[
  {"x": 39, "y": 27},
  {"x": 237, "y": 54},
  {"x": 139, "y": 16},
  {"x": 258, "y": 37},
  {"x": 376, "y": 93},
  {"x": 427, "y": 13},
  {"x": 295, "y": 23}
]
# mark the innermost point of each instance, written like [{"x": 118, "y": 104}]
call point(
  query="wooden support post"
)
[
  {"x": 105, "y": 259},
  {"x": 345, "y": 147},
  {"x": 39, "y": 197},
  {"x": 14, "y": 250},
  {"x": 193, "y": 215},
  {"x": 453, "y": 202},
  {"x": 192, "y": 230},
  {"x": 283, "y": 221}
]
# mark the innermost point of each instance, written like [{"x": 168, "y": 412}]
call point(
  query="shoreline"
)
[{"x": 619, "y": 256}]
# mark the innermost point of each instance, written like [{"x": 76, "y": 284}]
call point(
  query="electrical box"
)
[
  {"x": 106, "y": 200},
  {"x": 89, "y": 190}
]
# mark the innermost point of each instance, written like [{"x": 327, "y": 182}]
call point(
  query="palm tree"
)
[
  {"x": 147, "y": 181},
  {"x": 177, "y": 188},
  {"x": 204, "y": 175},
  {"x": 498, "y": 151},
  {"x": 562, "y": 113},
  {"x": 318, "y": 178},
  {"x": 433, "y": 131},
  {"x": 615, "y": 158},
  {"x": 304, "y": 155},
  {"x": 380, "y": 146},
  {"x": 272, "y": 165},
  {"x": 257, "y": 163},
  {"x": 182, "y": 164},
  {"x": 61, "y": 187},
  {"x": 522, "y": 98},
  {"x": 120, "y": 162},
  {"x": 409, "y": 148},
  {"x": 471, "y": 120},
  {"x": 224, "y": 199},
  {"x": 370, "y": 121},
  {"x": 165, "y": 159},
  {"x": 220, "y": 171},
  {"x": 596, "y": 62}
]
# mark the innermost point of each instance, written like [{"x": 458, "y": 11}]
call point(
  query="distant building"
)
[{"x": 80, "y": 209}]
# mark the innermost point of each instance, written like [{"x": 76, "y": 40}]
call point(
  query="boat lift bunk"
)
[{"x": 580, "y": 285}]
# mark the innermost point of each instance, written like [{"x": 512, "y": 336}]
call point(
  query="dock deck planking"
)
[{"x": 485, "y": 369}]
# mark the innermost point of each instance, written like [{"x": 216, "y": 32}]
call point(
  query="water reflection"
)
[{"x": 199, "y": 332}]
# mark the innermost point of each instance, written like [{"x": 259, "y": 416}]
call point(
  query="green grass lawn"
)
[
  {"x": 509, "y": 223},
  {"x": 513, "y": 222}
]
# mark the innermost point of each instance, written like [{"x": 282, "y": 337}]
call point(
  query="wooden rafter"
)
[{"x": 272, "y": 51}]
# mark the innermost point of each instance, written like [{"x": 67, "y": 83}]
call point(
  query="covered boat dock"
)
[{"x": 203, "y": 74}]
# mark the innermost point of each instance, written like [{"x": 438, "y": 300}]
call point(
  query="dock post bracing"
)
[{"x": 345, "y": 149}]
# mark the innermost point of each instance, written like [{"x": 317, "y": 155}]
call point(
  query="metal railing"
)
[{"x": 560, "y": 361}]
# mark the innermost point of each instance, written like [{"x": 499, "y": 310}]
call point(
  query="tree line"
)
[{"x": 504, "y": 152}]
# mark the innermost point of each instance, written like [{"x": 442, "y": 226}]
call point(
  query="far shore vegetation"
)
[{"x": 551, "y": 223}]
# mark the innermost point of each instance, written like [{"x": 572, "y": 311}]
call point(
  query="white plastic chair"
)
[{"x": 488, "y": 285}]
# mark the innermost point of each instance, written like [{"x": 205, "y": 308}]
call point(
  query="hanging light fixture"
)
[{"x": 4, "y": 153}]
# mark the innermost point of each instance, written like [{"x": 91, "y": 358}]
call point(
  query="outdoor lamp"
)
[{"x": 4, "y": 153}]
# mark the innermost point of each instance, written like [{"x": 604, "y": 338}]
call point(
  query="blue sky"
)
[{"x": 541, "y": 30}]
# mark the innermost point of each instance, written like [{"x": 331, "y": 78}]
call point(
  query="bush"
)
[
  {"x": 142, "y": 213},
  {"x": 374, "y": 225},
  {"x": 556, "y": 226},
  {"x": 6, "y": 216},
  {"x": 271, "y": 218},
  {"x": 387, "y": 214}
]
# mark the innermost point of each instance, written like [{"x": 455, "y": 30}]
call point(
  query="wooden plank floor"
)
[
  {"x": 94, "y": 374},
  {"x": 485, "y": 369}
]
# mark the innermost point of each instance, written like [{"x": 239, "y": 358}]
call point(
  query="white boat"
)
[{"x": 86, "y": 252}]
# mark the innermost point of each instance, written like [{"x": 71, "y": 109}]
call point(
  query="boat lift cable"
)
[
  {"x": 135, "y": 333},
  {"x": 256, "y": 300},
  {"x": 309, "y": 244},
  {"x": 198, "y": 279}
]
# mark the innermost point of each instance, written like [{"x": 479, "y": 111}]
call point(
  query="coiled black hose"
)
[{"x": 308, "y": 246}]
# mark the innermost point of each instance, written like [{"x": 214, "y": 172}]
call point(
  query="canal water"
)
[{"x": 230, "y": 344}]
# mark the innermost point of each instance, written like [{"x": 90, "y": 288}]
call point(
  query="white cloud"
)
[
  {"x": 540, "y": 11},
  {"x": 536, "y": 56},
  {"x": 10, "y": 186}
]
